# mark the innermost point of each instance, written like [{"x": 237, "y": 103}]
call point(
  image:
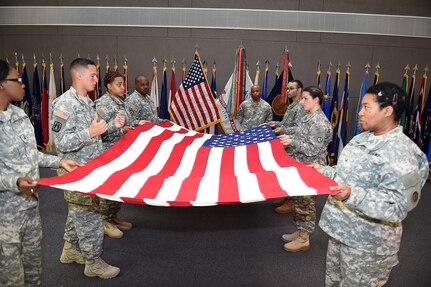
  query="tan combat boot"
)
[
  {"x": 111, "y": 230},
  {"x": 121, "y": 224},
  {"x": 279, "y": 202},
  {"x": 286, "y": 207},
  {"x": 70, "y": 254},
  {"x": 290, "y": 236},
  {"x": 98, "y": 267},
  {"x": 301, "y": 243}
]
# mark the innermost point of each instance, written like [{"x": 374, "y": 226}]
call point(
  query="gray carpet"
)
[{"x": 234, "y": 245}]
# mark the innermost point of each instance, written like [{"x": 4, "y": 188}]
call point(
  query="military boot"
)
[
  {"x": 111, "y": 230},
  {"x": 98, "y": 267},
  {"x": 301, "y": 243},
  {"x": 121, "y": 224},
  {"x": 70, "y": 254},
  {"x": 286, "y": 207},
  {"x": 290, "y": 236}
]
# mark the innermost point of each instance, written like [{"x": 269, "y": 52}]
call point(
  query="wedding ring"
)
[{"x": 31, "y": 190}]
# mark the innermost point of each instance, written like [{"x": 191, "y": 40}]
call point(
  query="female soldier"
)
[
  {"x": 107, "y": 107},
  {"x": 380, "y": 174},
  {"x": 308, "y": 144},
  {"x": 21, "y": 230}
]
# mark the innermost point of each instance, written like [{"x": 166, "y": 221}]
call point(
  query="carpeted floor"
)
[{"x": 234, "y": 245}]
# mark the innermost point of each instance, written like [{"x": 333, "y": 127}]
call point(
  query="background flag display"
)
[
  {"x": 154, "y": 93},
  {"x": 326, "y": 105},
  {"x": 26, "y": 103},
  {"x": 52, "y": 92},
  {"x": 417, "y": 117},
  {"x": 410, "y": 105},
  {"x": 364, "y": 88},
  {"x": 213, "y": 81},
  {"x": 147, "y": 166},
  {"x": 332, "y": 152},
  {"x": 36, "y": 102},
  {"x": 44, "y": 106},
  {"x": 164, "y": 94},
  {"x": 193, "y": 105},
  {"x": 265, "y": 81},
  {"x": 344, "y": 115},
  {"x": 404, "y": 86}
]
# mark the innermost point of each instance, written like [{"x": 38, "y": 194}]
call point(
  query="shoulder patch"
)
[{"x": 56, "y": 126}]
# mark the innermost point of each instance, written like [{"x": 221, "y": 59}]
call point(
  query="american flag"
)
[
  {"x": 193, "y": 105},
  {"x": 167, "y": 165}
]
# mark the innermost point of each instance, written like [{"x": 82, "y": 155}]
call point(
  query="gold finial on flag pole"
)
[
  {"x": 22, "y": 59},
  {"x": 34, "y": 58},
  {"x": 173, "y": 62},
  {"x": 348, "y": 65},
  {"x": 88, "y": 56},
  {"x": 61, "y": 58},
  {"x": 79, "y": 56},
  {"x": 43, "y": 59},
  {"x": 318, "y": 67},
  {"x": 377, "y": 67},
  {"x": 330, "y": 66},
  {"x": 267, "y": 63},
  {"x": 50, "y": 58},
  {"x": 197, "y": 47},
  {"x": 258, "y": 65},
  {"x": 98, "y": 60},
  {"x": 164, "y": 62},
  {"x": 154, "y": 61},
  {"x": 125, "y": 61},
  {"x": 406, "y": 69},
  {"x": 426, "y": 70}
]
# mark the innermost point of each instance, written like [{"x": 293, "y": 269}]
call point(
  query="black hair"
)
[
  {"x": 4, "y": 69},
  {"x": 315, "y": 92},
  {"x": 389, "y": 95},
  {"x": 81, "y": 63},
  {"x": 110, "y": 77},
  {"x": 298, "y": 83}
]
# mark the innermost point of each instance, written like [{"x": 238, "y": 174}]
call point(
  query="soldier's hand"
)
[
  {"x": 68, "y": 164},
  {"x": 285, "y": 140},
  {"x": 271, "y": 124},
  {"x": 343, "y": 191},
  {"x": 277, "y": 130},
  {"x": 97, "y": 128},
  {"x": 126, "y": 129},
  {"x": 316, "y": 166},
  {"x": 119, "y": 120},
  {"x": 26, "y": 185},
  {"x": 141, "y": 122}
]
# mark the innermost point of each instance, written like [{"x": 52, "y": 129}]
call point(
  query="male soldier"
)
[
  {"x": 77, "y": 136},
  {"x": 287, "y": 126},
  {"x": 140, "y": 105},
  {"x": 255, "y": 111}
]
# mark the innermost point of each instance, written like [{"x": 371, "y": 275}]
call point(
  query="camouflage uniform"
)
[
  {"x": 107, "y": 108},
  {"x": 385, "y": 174},
  {"x": 141, "y": 107},
  {"x": 20, "y": 225},
  {"x": 72, "y": 117},
  {"x": 309, "y": 144},
  {"x": 293, "y": 115},
  {"x": 251, "y": 114}
]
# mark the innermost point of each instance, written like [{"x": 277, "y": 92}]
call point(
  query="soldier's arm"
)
[
  {"x": 69, "y": 133},
  {"x": 268, "y": 115},
  {"x": 240, "y": 115},
  {"x": 47, "y": 160}
]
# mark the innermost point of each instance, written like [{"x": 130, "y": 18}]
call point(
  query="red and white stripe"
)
[{"x": 168, "y": 165}]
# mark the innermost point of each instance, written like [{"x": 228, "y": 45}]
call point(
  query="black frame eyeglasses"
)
[{"x": 18, "y": 80}]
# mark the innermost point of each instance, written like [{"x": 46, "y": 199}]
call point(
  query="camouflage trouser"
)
[
  {"x": 20, "y": 248},
  {"x": 305, "y": 212},
  {"x": 347, "y": 266},
  {"x": 109, "y": 209},
  {"x": 84, "y": 230}
]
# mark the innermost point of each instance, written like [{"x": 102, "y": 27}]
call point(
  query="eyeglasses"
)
[{"x": 19, "y": 80}]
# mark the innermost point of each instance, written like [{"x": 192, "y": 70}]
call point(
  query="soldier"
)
[
  {"x": 140, "y": 105},
  {"x": 107, "y": 107},
  {"x": 255, "y": 111},
  {"x": 77, "y": 136},
  {"x": 308, "y": 144},
  {"x": 287, "y": 126},
  {"x": 380, "y": 173},
  {"x": 20, "y": 225}
]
